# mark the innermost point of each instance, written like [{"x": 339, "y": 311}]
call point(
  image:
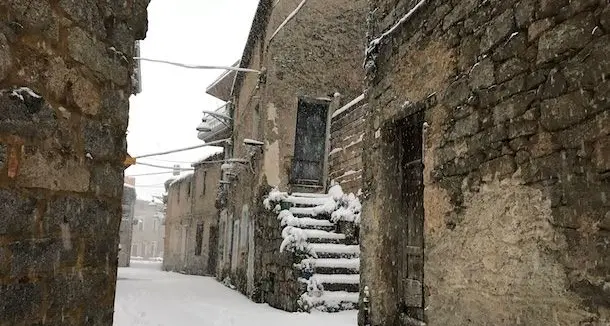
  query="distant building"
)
[
  {"x": 148, "y": 230},
  {"x": 129, "y": 199},
  {"x": 191, "y": 233}
]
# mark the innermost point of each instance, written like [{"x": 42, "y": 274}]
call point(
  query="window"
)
[
  {"x": 199, "y": 239},
  {"x": 310, "y": 143},
  {"x": 155, "y": 224},
  {"x": 153, "y": 249},
  {"x": 256, "y": 120},
  {"x": 188, "y": 189},
  {"x": 134, "y": 249},
  {"x": 140, "y": 225},
  {"x": 205, "y": 174}
]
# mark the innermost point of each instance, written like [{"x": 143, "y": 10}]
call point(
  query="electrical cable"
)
[
  {"x": 189, "y": 66},
  {"x": 220, "y": 141}
]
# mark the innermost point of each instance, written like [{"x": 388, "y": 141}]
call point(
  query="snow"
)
[
  {"x": 287, "y": 218},
  {"x": 351, "y": 263},
  {"x": 319, "y": 234},
  {"x": 182, "y": 178},
  {"x": 335, "y": 151},
  {"x": 311, "y": 201},
  {"x": 337, "y": 278},
  {"x": 334, "y": 248},
  {"x": 147, "y": 296},
  {"x": 387, "y": 33},
  {"x": 295, "y": 239},
  {"x": 348, "y": 105},
  {"x": 330, "y": 298}
]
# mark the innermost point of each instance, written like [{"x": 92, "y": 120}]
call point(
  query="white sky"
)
[{"x": 164, "y": 116}]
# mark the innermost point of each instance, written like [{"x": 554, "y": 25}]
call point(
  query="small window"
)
[
  {"x": 140, "y": 225},
  {"x": 205, "y": 174},
  {"x": 155, "y": 224},
  {"x": 188, "y": 190},
  {"x": 199, "y": 239}
]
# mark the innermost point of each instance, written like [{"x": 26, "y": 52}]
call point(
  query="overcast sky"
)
[{"x": 164, "y": 116}]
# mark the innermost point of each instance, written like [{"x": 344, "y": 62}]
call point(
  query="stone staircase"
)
[{"x": 329, "y": 260}]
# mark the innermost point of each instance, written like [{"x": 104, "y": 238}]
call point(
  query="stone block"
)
[
  {"x": 49, "y": 170},
  {"x": 85, "y": 95},
  {"x": 101, "y": 141},
  {"x": 551, "y": 7},
  {"x": 510, "y": 69},
  {"x": 6, "y": 62},
  {"x": 36, "y": 14},
  {"x": 86, "y": 14},
  {"x": 559, "y": 113},
  {"x": 513, "y": 107},
  {"x": 96, "y": 56},
  {"x": 601, "y": 154},
  {"x": 525, "y": 12},
  {"x": 457, "y": 93},
  {"x": 604, "y": 18},
  {"x": 514, "y": 47},
  {"x": 500, "y": 168},
  {"x": 522, "y": 127},
  {"x": 40, "y": 255},
  {"x": 18, "y": 213},
  {"x": 538, "y": 27},
  {"x": 574, "y": 33},
  {"x": 555, "y": 85},
  {"x": 460, "y": 12},
  {"x": 57, "y": 76},
  {"x": 482, "y": 74},
  {"x": 465, "y": 127},
  {"x": 590, "y": 70},
  {"x": 79, "y": 216},
  {"x": 107, "y": 180},
  {"x": 535, "y": 78},
  {"x": 26, "y": 114},
  {"x": 468, "y": 53},
  {"x": 20, "y": 301},
  {"x": 499, "y": 29},
  {"x": 492, "y": 95}
]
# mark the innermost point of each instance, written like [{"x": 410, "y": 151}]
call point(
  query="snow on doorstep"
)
[
  {"x": 350, "y": 263},
  {"x": 337, "y": 278},
  {"x": 334, "y": 248}
]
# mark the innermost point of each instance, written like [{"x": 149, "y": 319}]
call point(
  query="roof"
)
[
  {"x": 210, "y": 158},
  {"x": 180, "y": 179},
  {"x": 221, "y": 87}
]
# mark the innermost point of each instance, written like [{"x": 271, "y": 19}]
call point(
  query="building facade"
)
[
  {"x": 486, "y": 169},
  {"x": 126, "y": 227},
  {"x": 191, "y": 227},
  {"x": 309, "y": 55},
  {"x": 148, "y": 230}
]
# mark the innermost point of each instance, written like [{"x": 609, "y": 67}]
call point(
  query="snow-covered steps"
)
[
  {"x": 333, "y": 250},
  {"x": 330, "y": 267},
  {"x": 330, "y": 301}
]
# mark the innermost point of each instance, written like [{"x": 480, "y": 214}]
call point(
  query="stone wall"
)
[
  {"x": 64, "y": 89},
  {"x": 514, "y": 97},
  {"x": 126, "y": 226},
  {"x": 345, "y": 156}
]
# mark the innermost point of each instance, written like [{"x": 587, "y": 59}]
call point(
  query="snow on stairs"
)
[{"x": 331, "y": 273}]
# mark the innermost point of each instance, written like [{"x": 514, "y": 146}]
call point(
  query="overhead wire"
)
[{"x": 213, "y": 143}]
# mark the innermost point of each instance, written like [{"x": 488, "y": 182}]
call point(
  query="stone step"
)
[
  {"x": 339, "y": 282},
  {"x": 332, "y": 266},
  {"x": 330, "y": 301},
  {"x": 313, "y": 224},
  {"x": 310, "y": 212},
  {"x": 331, "y": 250}
]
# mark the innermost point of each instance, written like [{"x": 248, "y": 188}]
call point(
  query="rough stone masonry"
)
[
  {"x": 512, "y": 101},
  {"x": 65, "y": 80}
]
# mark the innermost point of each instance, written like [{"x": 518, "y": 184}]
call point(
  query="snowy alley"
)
[{"x": 148, "y": 296}]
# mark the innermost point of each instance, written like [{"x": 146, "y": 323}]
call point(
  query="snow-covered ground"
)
[{"x": 148, "y": 296}]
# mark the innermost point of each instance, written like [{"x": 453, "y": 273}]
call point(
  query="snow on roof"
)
[
  {"x": 181, "y": 178},
  {"x": 126, "y": 185},
  {"x": 210, "y": 157}
]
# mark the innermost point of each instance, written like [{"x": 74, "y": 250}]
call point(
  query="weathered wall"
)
[
  {"x": 62, "y": 147},
  {"x": 317, "y": 54},
  {"x": 345, "y": 156},
  {"x": 191, "y": 201},
  {"x": 516, "y": 159}
]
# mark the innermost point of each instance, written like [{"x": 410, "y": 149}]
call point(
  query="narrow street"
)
[{"x": 148, "y": 296}]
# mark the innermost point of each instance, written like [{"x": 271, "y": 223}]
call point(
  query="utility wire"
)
[
  {"x": 147, "y": 174},
  {"x": 164, "y": 167},
  {"x": 184, "y": 149},
  {"x": 189, "y": 66}
]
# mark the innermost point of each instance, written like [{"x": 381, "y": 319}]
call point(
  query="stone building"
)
[
  {"x": 309, "y": 55},
  {"x": 126, "y": 226},
  {"x": 191, "y": 226},
  {"x": 148, "y": 230},
  {"x": 64, "y": 86},
  {"x": 486, "y": 175}
]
